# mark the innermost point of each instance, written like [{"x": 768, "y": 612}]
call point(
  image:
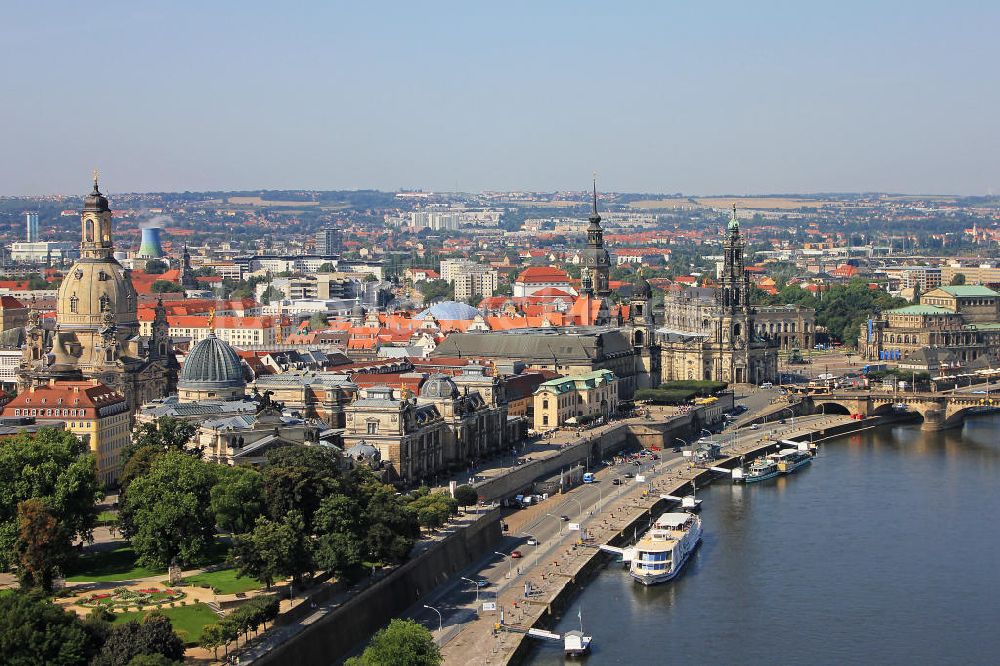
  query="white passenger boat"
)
[
  {"x": 662, "y": 551},
  {"x": 789, "y": 460},
  {"x": 761, "y": 469}
]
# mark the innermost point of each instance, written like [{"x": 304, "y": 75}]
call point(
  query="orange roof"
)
[
  {"x": 543, "y": 274},
  {"x": 89, "y": 395},
  {"x": 10, "y": 302}
]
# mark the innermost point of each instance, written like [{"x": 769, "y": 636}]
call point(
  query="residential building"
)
[
  {"x": 329, "y": 240},
  {"x": 575, "y": 399},
  {"x": 95, "y": 413}
]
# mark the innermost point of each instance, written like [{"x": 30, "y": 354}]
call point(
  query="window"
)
[
  {"x": 74, "y": 304},
  {"x": 545, "y": 419},
  {"x": 545, "y": 404},
  {"x": 372, "y": 428}
]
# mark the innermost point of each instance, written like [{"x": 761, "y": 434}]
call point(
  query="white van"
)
[{"x": 767, "y": 385}]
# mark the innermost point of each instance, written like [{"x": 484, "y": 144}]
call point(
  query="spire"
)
[
  {"x": 96, "y": 174},
  {"x": 734, "y": 220},
  {"x": 595, "y": 218}
]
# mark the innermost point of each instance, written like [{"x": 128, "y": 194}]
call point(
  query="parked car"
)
[
  {"x": 564, "y": 517},
  {"x": 677, "y": 449},
  {"x": 482, "y": 582},
  {"x": 532, "y": 541},
  {"x": 630, "y": 475},
  {"x": 617, "y": 482},
  {"x": 515, "y": 554},
  {"x": 755, "y": 427}
]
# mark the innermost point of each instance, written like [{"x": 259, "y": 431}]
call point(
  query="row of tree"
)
[{"x": 249, "y": 617}]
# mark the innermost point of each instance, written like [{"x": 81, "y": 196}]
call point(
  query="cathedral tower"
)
[{"x": 595, "y": 257}]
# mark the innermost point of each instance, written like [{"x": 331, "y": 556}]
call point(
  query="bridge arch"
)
[{"x": 831, "y": 408}]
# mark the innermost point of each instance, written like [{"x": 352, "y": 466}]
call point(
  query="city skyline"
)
[{"x": 735, "y": 100}]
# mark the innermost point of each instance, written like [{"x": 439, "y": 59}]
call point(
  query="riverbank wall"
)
[{"x": 331, "y": 637}]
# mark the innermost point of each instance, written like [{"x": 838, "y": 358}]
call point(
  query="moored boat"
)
[
  {"x": 761, "y": 469},
  {"x": 789, "y": 460},
  {"x": 662, "y": 551}
]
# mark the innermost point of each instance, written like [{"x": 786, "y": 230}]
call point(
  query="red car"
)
[{"x": 515, "y": 554}]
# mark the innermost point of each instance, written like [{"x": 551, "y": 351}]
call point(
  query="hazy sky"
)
[{"x": 696, "y": 97}]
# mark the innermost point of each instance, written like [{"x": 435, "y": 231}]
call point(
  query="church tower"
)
[
  {"x": 733, "y": 296},
  {"x": 595, "y": 257},
  {"x": 96, "y": 334}
]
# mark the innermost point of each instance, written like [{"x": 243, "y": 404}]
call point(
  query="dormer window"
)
[
  {"x": 102, "y": 276},
  {"x": 74, "y": 304}
]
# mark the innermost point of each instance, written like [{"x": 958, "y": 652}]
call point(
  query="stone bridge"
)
[{"x": 939, "y": 411}]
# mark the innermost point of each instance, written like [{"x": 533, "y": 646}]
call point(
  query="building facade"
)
[
  {"x": 574, "y": 399},
  {"x": 713, "y": 333}
]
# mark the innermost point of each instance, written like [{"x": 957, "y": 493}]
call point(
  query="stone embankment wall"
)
[{"x": 330, "y": 638}]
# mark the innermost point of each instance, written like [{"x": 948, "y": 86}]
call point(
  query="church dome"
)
[
  {"x": 439, "y": 386},
  {"x": 450, "y": 310},
  {"x": 212, "y": 364},
  {"x": 95, "y": 201},
  {"x": 92, "y": 288}
]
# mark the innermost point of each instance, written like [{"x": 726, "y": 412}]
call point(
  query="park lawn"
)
[
  {"x": 108, "y": 566},
  {"x": 107, "y": 517},
  {"x": 225, "y": 581},
  {"x": 188, "y": 620}
]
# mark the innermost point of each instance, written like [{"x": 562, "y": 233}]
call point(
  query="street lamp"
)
[
  {"x": 509, "y": 561},
  {"x": 558, "y": 521},
  {"x": 579, "y": 504},
  {"x": 440, "y": 617},
  {"x": 475, "y": 585}
]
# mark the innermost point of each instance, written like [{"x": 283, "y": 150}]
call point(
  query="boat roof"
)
[
  {"x": 672, "y": 519},
  {"x": 785, "y": 452}
]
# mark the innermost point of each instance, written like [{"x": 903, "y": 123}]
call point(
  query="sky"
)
[{"x": 707, "y": 97}]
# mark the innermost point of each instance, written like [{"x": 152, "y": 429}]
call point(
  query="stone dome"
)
[
  {"x": 211, "y": 365},
  {"x": 92, "y": 287},
  {"x": 450, "y": 310},
  {"x": 438, "y": 387}
]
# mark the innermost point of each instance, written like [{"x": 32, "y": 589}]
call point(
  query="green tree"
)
[
  {"x": 55, "y": 468},
  {"x": 238, "y": 498},
  {"x": 274, "y": 549},
  {"x": 34, "y": 631},
  {"x": 402, "y": 643},
  {"x": 166, "y": 287},
  {"x": 37, "y": 282},
  {"x": 152, "y": 660},
  {"x": 138, "y": 463},
  {"x": 271, "y": 294},
  {"x": 318, "y": 322},
  {"x": 156, "y": 267},
  {"x": 166, "y": 433},
  {"x": 340, "y": 533},
  {"x": 212, "y": 638},
  {"x": 297, "y": 478},
  {"x": 433, "y": 509},
  {"x": 42, "y": 543},
  {"x": 391, "y": 524},
  {"x": 153, "y": 636},
  {"x": 466, "y": 495},
  {"x": 959, "y": 279},
  {"x": 435, "y": 290},
  {"x": 165, "y": 512}
]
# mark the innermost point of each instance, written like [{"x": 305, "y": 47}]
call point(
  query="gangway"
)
[
  {"x": 547, "y": 635},
  {"x": 626, "y": 553}
]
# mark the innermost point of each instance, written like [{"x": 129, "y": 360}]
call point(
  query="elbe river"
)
[{"x": 885, "y": 550}]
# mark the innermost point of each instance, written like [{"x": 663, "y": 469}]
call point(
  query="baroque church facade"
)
[
  {"x": 96, "y": 335},
  {"x": 725, "y": 345}
]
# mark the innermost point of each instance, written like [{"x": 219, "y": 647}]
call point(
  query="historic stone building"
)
[
  {"x": 951, "y": 327},
  {"x": 713, "y": 333},
  {"x": 96, "y": 335}
]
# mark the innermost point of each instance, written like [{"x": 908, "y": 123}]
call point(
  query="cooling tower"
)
[{"x": 149, "y": 247}]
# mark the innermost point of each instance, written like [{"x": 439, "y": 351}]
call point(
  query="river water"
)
[{"x": 885, "y": 550}]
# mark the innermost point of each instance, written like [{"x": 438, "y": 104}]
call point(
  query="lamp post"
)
[
  {"x": 558, "y": 521},
  {"x": 440, "y": 617},
  {"x": 475, "y": 585},
  {"x": 579, "y": 504},
  {"x": 509, "y": 561}
]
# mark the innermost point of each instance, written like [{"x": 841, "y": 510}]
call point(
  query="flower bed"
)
[{"x": 123, "y": 597}]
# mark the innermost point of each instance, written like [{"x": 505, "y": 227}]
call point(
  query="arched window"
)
[
  {"x": 638, "y": 338},
  {"x": 74, "y": 304},
  {"x": 737, "y": 329}
]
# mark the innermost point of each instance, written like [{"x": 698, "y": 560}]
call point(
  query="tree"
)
[
  {"x": 212, "y": 638},
  {"x": 340, "y": 529},
  {"x": 164, "y": 511},
  {"x": 36, "y": 282},
  {"x": 42, "y": 543},
  {"x": 435, "y": 290},
  {"x": 297, "y": 478},
  {"x": 152, "y": 660},
  {"x": 318, "y": 322},
  {"x": 55, "y": 468},
  {"x": 33, "y": 630},
  {"x": 958, "y": 279},
  {"x": 166, "y": 433},
  {"x": 166, "y": 287},
  {"x": 238, "y": 498},
  {"x": 466, "y": 495},
  {"x": 137, "y": 463},
  {"x": 156, "y": 267},
  {"x": 391, "y": 525},
  {"x": 433, "y": 509},
  {"x": 402, "y": 643},
  {"x": 274, "y": 549},
  {"x": 271, "y": 294},
  {"x": 153, "y": 636}
]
